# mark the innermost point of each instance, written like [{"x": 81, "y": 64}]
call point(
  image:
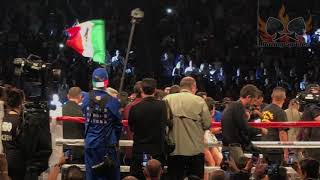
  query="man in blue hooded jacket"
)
[{"x": 103, "y": 128}]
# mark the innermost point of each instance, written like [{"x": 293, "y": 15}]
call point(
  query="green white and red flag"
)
[{"x": 88, "y": 39}]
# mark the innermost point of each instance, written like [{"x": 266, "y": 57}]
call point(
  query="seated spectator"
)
[
  {"x": 167, "y": 90},
  {"x": 235, "y": 172},
  {"x": 282, "y": 175},
  {"x": 202, "y": 94},
  {"x": 216, "y": 117},
  {"x": 263, "y": 171},
  {"x": 174, "y": 89},
  {"x": 160, "y": 94},
  {"x": 260, "y": 171},
  {"x": 193, "y": 177},
  {"x": 73, "y": 130},
  {"x": 218, "y": 175},
  {"x": 153, "y": 170},
  {"x": 242, "y": 162},
  {"x": 72, "y": 173},
  {"x": 309, "y": 169},
  {"x": 213, "y": 156},
  {"x": 130, "y": 178}
]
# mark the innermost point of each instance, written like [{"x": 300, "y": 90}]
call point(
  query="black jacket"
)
[
  {"x": 72, "y": 130},
  {"x": 147, "y": 121},
  {"x": 235, "y": 128},
  {"x": 12, "y": 143}
]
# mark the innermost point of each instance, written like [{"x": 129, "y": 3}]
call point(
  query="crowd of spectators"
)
[
  {"x": 184, "y": 112},
  {"x": 225, "y": 37}
]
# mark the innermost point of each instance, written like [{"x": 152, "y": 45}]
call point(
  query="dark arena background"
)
[{"x": 221, "y": 42}]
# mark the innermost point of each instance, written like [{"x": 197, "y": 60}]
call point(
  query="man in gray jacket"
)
[{"x": 191, "y": 118}]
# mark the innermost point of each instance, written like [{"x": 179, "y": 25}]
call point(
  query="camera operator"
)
[
  {"x": 10, "y": 134},
  {"x": 311, "y": 113},
  {"x": 103, "y": 129}
]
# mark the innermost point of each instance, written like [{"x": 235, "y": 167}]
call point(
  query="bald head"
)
[
  {"x": 189, "y": 83},
  {"x": 75, "y": 94},
  {"x": 114, "y": 93},
  {"x": 130, "y": 178},
  {"x": 153, "y": 170},
  {"x": 278, "y": 94},
  {"x": 218, "y": 175}
]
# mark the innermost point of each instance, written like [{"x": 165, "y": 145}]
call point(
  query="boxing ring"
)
[{"x": 261, "y": 144}]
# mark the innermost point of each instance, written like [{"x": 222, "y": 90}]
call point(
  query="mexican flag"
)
[{"x": 88, "y": 39}]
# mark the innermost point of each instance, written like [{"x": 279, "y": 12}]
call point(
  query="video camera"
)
[
  {"x": 34, "y": 76},
  {"x": 31, "y": 63},
  {"x": 310, "y": 96}
]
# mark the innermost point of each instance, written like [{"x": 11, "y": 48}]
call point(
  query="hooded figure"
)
[{"x": 103, "y": 129}]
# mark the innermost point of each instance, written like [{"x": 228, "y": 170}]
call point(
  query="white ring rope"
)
[
  {"x": 260, "y": 144},
  {"x": 208, "y": 169}
]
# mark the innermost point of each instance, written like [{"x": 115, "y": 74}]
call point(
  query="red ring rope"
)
[{"x": 299, "y": 124}]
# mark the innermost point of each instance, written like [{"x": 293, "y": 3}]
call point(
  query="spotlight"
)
[
  {"x": 61, "y": 45},
  {"x": 169, "y": 11},
  {"x": 55, "y": 100}
]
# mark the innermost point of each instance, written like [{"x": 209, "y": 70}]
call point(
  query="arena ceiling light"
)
[
  {"x": 169, "y": 11},
  {"x": 61, "y": 45}
]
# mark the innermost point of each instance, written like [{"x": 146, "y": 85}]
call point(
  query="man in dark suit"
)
[
  {"x": 73, "y": 130},
  {"x": 147, "y": 121}
]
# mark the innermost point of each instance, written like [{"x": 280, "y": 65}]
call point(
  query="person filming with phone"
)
[{"x": 147, "y": 120}]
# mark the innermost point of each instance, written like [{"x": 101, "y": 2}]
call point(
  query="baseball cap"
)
[{"x": 100, "y": 78}]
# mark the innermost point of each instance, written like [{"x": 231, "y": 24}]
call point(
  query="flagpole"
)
[{"x": 137, "y": 15}]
